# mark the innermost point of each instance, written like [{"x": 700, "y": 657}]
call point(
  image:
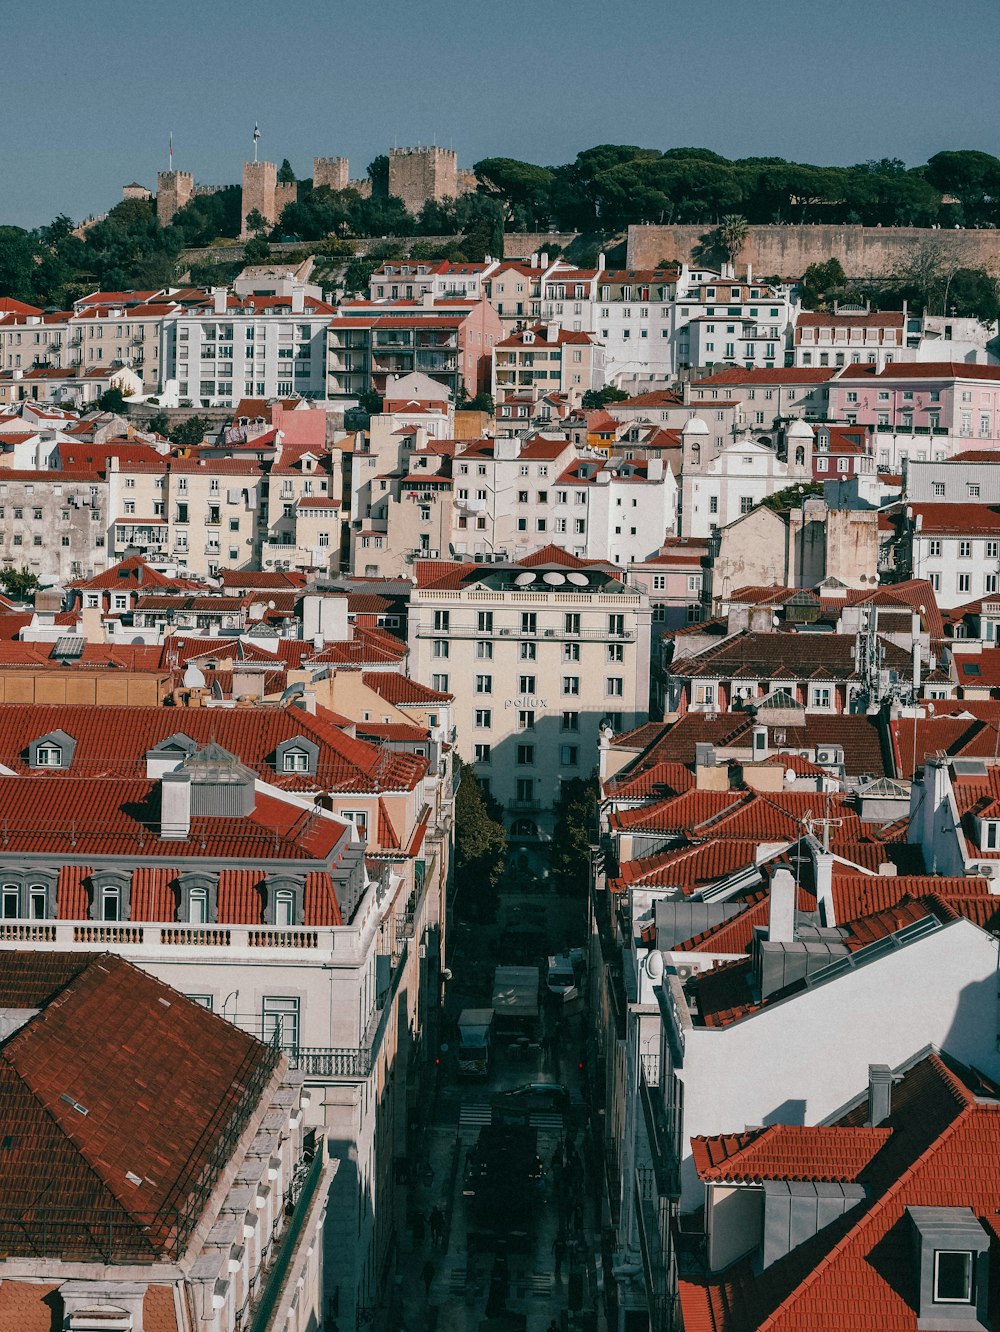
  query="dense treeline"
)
[
  {"x": 613, "y": 185},
  {"x": 604, "y": 190}
]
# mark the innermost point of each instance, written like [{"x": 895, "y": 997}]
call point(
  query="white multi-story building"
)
[
  {"x": 539, "y": 655},
  {"x": 250, "y": 346},
  {"x": 956, "y": 547}
]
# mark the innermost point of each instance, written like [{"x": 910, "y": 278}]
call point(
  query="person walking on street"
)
[
  {"x": 437, "y": 1226},
  {"x": 427, "y": 1273}
]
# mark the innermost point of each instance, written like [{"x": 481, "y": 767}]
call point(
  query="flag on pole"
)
[
  {"x": 256, "y": 132},
  {"x": 171, "y": 150}
]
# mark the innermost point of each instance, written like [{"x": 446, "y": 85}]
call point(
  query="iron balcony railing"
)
[{"x": 301, "y": 1194}]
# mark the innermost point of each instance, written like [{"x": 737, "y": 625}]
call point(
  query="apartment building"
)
[
  {"x": 539, "y": 654},
  {"x": 370, "y": 345},
  {"x": 764, "y": 397},
  {"x": 204, "y": 1199},
  {"x": 409, "y": 279},
  {"x": 955, "y": 546},
  {"x": 719, "y": 318},
  {"x": 851, "y": 337},
  {"x": 247, "y": 345},
  {"x": 203, "y": 857},
  {"x": 546, "y": 358},
  {"x": 931, "y": 399}
]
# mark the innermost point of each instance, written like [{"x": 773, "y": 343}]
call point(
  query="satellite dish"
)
[
  {"x": 790, "y": 774},
  {"x": 522, "y": 580},
  {"x": 578, "y": 579},
  {"x": 193, "y": 678},
  {"x": 654, "y": 965},
  {"x": 554, "y": 579}
]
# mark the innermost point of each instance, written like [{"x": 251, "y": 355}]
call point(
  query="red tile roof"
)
[
  {"x": 787, "y": 1151},
  {"x": 401, "y": 690},
  {"x": 787, "y": 375},
  {"x": 857, "y": 1272},
  {"x": 160, "y": 1080},
  {"x": 958, "y": 519},
  {"x": 736, "y": 934}
]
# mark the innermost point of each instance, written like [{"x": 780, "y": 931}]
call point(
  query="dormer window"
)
[
  {"x": 990, "y": 839},
  {"x": 284, "y": 901},
  {"x": 284, "y": 907},
  {"x": 296, "y": 755},
  {"x": 198, "y": 906},
  {"x": 952, "y": 1268},
  {"x": 111, "y": 889},
  {"x": 295, "y": 760},
  {"x": 54, "y": 750}
]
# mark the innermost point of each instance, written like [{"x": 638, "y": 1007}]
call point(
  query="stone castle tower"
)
[
  {"x": 331, "y": 172},
  {"x": 419, "y": 174},
  {"x": 260, "y": 182},
  {"x": 173, "y": 190}
]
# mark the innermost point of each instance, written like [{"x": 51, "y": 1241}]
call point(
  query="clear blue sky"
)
[{"x": 91, "y": 91}]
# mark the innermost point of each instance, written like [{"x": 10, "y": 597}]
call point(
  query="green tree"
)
[
  {"x": 520, "y": 186},
  {"x": 17, "y": 264},
  {"x": 191, "y": 431},
  {"x": 286, "y": 176},
  {"x": 358, "y": 272},
  {"x": 484, "y": 233},
  {"x": 111, "y": 400},
  {"x": 973, "y": 294},
  {"x": 257, "y": 222},
  {"x": 575, "y": 829},
  {"x": 594, "y": 399},
  {"x": 480, "y": 847},
  {"x": 821, "y": 284},
  {"x": 158, "y": 423},
  {"x": 973, "y": 177},
  {"x": 256, "y": 250},
  {"x": 19, "y": 584},
  {"x": 370, "y": 402},
  {"x": 792, "y": 496},
  {"x": 378, "y": 174}
]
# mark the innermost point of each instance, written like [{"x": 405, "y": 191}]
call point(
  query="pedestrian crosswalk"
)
[{"x": 476, "y": 1114}]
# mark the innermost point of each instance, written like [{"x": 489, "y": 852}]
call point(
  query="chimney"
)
[
  {"x": 543, "y": 259},
  {"x": 534, "y": 260},
  {"x": 219, "y": 298},
  {"x": 879, "y": 1094},
  {"x": 552, "y": 331},
  {"x": 654, "y": 469},
  {"x": 781, "y": 908},
  {"x": 601, "y": 262},
  {"x": 916, "y": 669},
  {"x": 298, "y": 298},
  {"x": 749, "y": 272},
  {"x": 175, "y": 806}
]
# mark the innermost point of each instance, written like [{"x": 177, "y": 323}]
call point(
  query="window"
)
[
  {"x": 713, "y": 504},
  {"x": 819, "y": 696},
  {"x": 529, "y": 622},
  {"x": 746, "y": 503},
  {"x": 570, "y": 721},
  {"x": 484, "y": 684},
  {"x": 485, "y": 622},
  {"x": 295, "y": 760},
  {"x": 571, "y": 623},
  {"x": 525, "y": 755},
  {"x": 614, "y": 686},
  {"x": 953, "y": 1276},
  {"x": 528, "y": 651},
  {"x": 280, "y": 1022},
  {"x": 48, "y": 756},
  {"x": 484, "y": 717},
  {"x": 935, "y": 581},
  {"x": 525, "y": 790},
  {"x": 973, "y": 490},
  {"x": 939, "y": 488},
  {"x": 934, "y": 547},
  {"x": 571, "y": 684},
  {"x": 442, "y": 621},
  {"x": 992, "y": 549},
  {"x": 483, "y": 753},
  {"x": 440, "y": 683},
  {"x": 571, "y": 652},
  {"x": 965, "y": 582},
  {"x": 525, "y": 684},
  {"x": 965, "y": 550},
  {"x": 440, "y": 648},
  {"x": 525, "y": 719},
  {"x": 484, "y": 650},
  {"x": 616, "y": 652}
]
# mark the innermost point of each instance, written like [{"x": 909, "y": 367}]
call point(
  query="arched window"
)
[
  {"x": 110, "y": 902},
  {"x": 284, "y": 907},
  {"x": 800, "y": 456},
  {"x": 696, "y": 453},
  {"x": 198, "y": 906}
]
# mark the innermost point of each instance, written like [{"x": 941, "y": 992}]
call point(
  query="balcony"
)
[
  {"x": 524, "y": 806},
  {"x": 301, "y": 1193}
]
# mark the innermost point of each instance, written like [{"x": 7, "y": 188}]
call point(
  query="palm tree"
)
[{"x": 732, "y": 233}]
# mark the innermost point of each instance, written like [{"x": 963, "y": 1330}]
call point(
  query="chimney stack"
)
[
  {"x": 552, "y": 331},
  {"x": 781, "y": 908},
  {"x": 175, "y": 806},
  {"x": 298, "y": 298},
  {"x": 220, "y": 298},
  {"x": 879, "y": 1093}
]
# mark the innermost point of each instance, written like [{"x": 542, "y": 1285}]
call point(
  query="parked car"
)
[{"x": 534, "y": 1098}]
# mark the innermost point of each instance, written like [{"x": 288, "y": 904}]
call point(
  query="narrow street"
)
[{"x": 535, "y": 1266}]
